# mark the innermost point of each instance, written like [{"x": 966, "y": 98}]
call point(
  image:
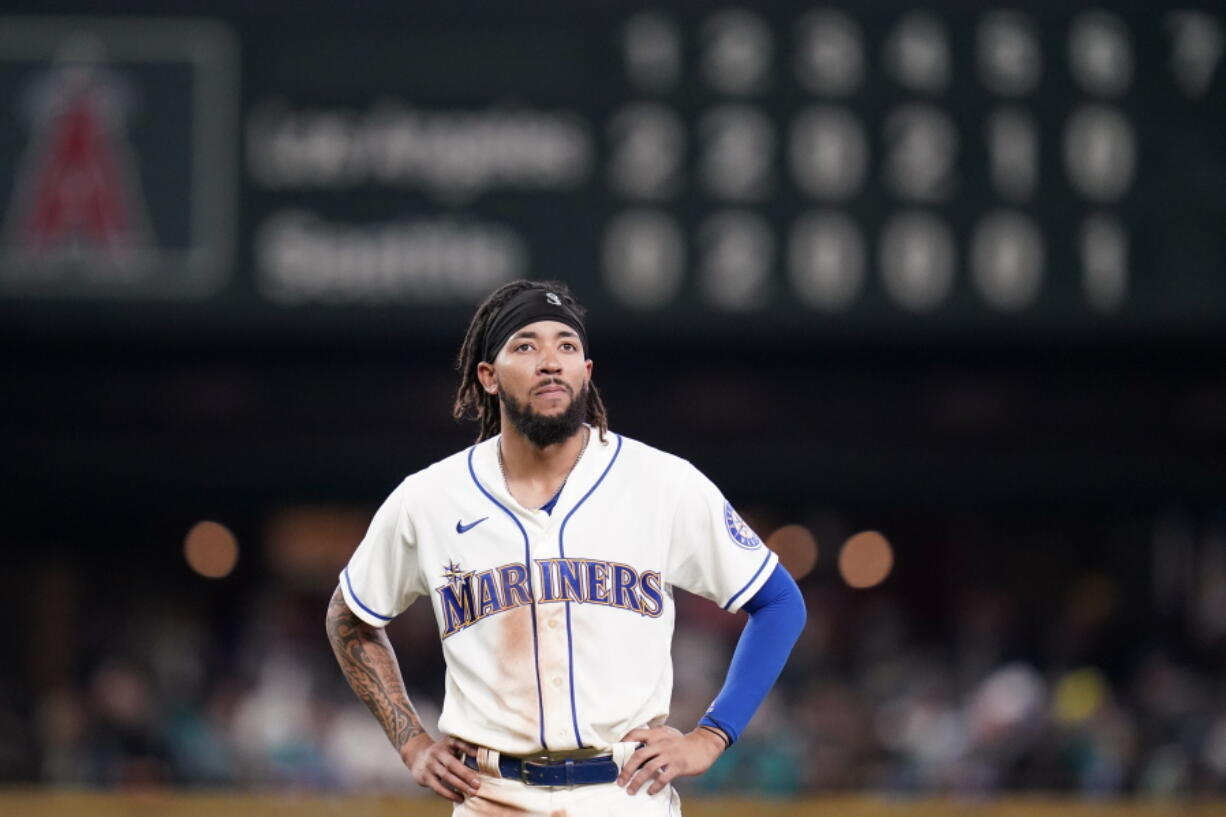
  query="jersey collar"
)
[{"x": 591, "y": 466}]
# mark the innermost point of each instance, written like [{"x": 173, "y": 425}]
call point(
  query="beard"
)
[{"x": 543, "y": 430}]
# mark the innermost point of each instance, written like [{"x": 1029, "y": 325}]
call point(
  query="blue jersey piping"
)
[
  {"x": 536, "y": 654},
  {"x": 348, "y": 582},
  {"x": 570, "y": 644},
  {"x": 757, "y": 572}
]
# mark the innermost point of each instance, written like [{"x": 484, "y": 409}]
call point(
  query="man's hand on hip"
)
[
  {"x": 666, "y": 754},
  {"x": 439, "y": 766}
]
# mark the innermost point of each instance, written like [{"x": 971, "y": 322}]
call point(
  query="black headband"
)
[{"x": 527, "y": 307}]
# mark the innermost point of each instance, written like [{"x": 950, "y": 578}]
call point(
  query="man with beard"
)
[{"x": 549, "y": 550}]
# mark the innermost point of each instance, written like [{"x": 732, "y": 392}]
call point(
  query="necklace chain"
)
[{"x": 582, "y": 450}]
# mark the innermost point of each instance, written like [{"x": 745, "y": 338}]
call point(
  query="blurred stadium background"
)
[{"x": 936, "y": 293}]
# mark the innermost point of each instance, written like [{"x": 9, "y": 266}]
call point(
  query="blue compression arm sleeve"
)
[{"x": 776, "y": 617}]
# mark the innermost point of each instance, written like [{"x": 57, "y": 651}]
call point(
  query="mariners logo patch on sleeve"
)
[{"x": 741, "y": 533}]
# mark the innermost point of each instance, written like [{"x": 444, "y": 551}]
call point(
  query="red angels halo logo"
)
[{"x": 78, "y": 199}]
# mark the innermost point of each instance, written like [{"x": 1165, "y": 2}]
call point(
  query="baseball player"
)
[{"x": 549, "y": 551}]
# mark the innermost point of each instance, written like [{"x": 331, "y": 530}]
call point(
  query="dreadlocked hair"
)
[{"x": 473, "y": 402}]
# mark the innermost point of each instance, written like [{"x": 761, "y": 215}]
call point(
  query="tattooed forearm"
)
[{"x": 370, "y": 667}]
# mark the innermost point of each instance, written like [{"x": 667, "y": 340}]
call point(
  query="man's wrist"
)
[
  {"x": 716, "y": 735},
  {"x": 410, "y": 748}
]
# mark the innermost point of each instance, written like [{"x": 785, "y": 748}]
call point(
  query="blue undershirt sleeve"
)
[{"x": 776, "y": 617}]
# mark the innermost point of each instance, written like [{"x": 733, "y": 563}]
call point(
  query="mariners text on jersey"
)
[{"x": 470, "y": 596}]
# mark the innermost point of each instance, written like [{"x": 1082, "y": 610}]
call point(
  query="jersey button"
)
[
  {"x": 553, "y": 623},
  {"x": 557, "y": 682}
]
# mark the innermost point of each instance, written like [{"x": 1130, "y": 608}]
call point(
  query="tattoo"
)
[{"x": 369, "y": 663}]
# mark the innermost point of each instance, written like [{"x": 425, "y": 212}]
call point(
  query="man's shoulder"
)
[{"x": 644, "y": 455}]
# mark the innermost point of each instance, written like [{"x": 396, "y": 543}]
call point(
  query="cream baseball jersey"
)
[{"x": 556, "y": 627}]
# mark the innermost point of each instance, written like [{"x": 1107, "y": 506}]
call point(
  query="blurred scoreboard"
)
[{"x": 1032, "y": 171}]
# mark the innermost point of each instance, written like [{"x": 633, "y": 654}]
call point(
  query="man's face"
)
[{"x": 541, "y": 376}]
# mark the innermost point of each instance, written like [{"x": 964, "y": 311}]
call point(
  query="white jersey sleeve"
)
[
  {"x": 713, "y": 552},
  {"x": 383, "y": 576}
]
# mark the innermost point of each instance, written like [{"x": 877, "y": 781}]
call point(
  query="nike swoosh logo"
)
[{"x": 460, "y": 527}]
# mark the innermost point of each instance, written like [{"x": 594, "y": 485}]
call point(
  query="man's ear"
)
[{"x": 488, "y": 377}]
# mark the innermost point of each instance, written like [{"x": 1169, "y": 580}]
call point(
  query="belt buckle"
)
[{"x": 540, "y": 760}]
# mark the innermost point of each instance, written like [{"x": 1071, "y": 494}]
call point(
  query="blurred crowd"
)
[{"x": 161, "y": 693}]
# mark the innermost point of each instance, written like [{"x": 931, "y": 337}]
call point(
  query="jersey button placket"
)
[{"x": 554, "y": 647}]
